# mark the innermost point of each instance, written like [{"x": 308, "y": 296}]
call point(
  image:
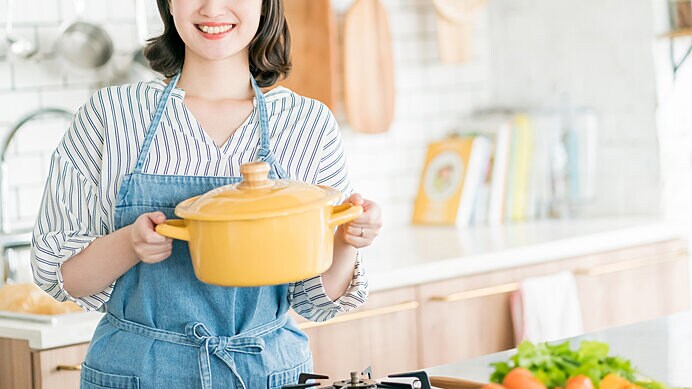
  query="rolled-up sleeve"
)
[
  {"x": 308, "y": 297},
  {"x": 68, "y": 219}
]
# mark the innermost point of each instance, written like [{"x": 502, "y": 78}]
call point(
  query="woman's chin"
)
[{"x": 216, "y": 56}]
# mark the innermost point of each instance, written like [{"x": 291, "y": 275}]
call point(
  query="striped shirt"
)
[{"x": 102, "y": 144}]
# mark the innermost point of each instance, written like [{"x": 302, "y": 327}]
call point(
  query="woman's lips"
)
[{"x": 214, "y": 31}]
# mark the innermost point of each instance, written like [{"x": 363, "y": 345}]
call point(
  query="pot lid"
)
[{"x": 256, "y": 197}]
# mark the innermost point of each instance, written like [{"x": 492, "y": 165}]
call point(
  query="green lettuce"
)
[{"x": 554, "y": 364}]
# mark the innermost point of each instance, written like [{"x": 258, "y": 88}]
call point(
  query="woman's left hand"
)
[{"x": 363, "y": 230}]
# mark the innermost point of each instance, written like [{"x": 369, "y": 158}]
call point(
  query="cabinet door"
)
[
  {"x": 15, "y": 364},
  {"x": 381, "y": 334},
  {"x": 465, "y": 317},
  {"x": 633, "y": 285},
  {"x": 59, "y": 367}
]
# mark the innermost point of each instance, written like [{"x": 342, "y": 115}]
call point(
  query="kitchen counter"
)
[
  {"x": 411, "y": 255},
  {"x": 64, "y": 331},
  {"x": 415, "y": 255},
  {"x": 660, "y": 348}
]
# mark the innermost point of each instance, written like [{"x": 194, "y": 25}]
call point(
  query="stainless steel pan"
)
[{"x": 83, "y": 44}]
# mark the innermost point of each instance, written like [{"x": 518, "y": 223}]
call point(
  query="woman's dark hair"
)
[{"x": 270, "y": 49}]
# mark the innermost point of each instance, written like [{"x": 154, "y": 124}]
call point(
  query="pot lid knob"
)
[{"x": 255, "y": 176}]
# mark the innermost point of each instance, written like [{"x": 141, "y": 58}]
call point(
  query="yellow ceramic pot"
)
[{"x": 260, "y": 231}]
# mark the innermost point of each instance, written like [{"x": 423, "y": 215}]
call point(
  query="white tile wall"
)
[
  {"x": 595, "y": 54},
  {"x": 527, "y": 54}
]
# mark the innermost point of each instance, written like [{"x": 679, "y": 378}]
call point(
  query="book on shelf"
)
[
  {"x": 499, "y": 174},
  {"x": 453, "y": 171},
  {"x": 505, "y": 175}
]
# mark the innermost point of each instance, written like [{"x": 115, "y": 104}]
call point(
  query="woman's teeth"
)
[{"x": 215, "y": 29}]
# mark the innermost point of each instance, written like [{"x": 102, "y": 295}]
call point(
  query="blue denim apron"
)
[{"x": 166, "y": 329}]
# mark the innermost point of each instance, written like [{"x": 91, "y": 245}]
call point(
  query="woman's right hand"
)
[{"x": 150, "y": 246}]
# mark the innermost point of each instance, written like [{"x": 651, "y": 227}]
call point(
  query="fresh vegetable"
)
[
  {"x": 520, "y": 378},
  {"x": 554, "y": 364},
  {"x": 613, "y": 381},
  {"x": 579, "y": 382}
]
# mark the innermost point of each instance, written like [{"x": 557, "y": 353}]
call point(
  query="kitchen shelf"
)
[
  {"x": 677, "y": 33},
  {"x": 671, "y": 35}
]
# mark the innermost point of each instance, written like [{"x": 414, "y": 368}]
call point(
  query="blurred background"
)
[{"x": 533, "y": 136}]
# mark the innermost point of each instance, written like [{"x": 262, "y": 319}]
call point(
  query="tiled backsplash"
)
[
  {"x": 526, "y": 53},
  {"x": 596, "y": 54}
]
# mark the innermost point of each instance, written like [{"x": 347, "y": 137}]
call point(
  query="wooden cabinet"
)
[
  {"x": 15, "y": 364},
  {"x": 22, "y": 368},
  {"x": 381, "y": 335},
  {"x": 465, "y": 317},
  {"x": 470, "y": 316},
  {"x": 632, "y": 285},
  {"x": 58, "y": 368}
]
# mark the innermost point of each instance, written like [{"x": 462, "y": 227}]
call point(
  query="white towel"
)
[{"x": 546, "y": 308}]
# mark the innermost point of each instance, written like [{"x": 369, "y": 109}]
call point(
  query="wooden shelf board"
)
[{"x": 677, "y": 33}]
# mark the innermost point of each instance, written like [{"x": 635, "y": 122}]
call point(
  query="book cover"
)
[
  {"x": 523, "y": 166},
  {"x": 499, "y": 176},
  {"x": 475, "y": 176},
  {"x": 441, "y": 183}
]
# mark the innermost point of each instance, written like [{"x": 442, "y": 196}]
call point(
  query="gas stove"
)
[{"x": 412, "y": 380}]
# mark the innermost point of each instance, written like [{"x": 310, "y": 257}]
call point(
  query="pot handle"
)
[
  {"x": 174, "y": 229},
  {"x": 344, "y": 213}
]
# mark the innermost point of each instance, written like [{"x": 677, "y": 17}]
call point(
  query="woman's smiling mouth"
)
[{"x": 214, "y": 30}]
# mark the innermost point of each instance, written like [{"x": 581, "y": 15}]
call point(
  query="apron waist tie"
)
[{"x": 197, "y": 335}]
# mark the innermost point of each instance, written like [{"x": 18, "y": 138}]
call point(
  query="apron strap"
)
[
  {"x": 197, "y": 335},
  {"x": 264, "y": 153},
  {"x": 151, "y": 131}
]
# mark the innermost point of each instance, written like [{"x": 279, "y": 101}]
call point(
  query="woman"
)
[{"x": 135, "y": 151}]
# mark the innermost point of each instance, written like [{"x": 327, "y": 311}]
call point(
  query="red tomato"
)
[
  {"x": 579, "y": 382},
  {"x": 520, "y": 378}
]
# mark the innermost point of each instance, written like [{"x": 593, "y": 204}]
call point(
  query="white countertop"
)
[
  {"x": 67, "y": 330},
  {"x": 414, "y": 255},
  {"x": 659, "y": 348}
]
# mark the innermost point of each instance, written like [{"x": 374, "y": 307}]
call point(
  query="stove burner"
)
[
  {"x": 356, "y": 383},
  {"x": 364, "y": 381}
]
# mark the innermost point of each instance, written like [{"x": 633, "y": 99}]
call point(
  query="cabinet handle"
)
[
  {"x": 475, "y": 293},
  {"x": 69, "y": 367},
  {"x": 407, "y": 306},
  {"x": 629, "y": 265},
  {"x": 604, "y": 269}
]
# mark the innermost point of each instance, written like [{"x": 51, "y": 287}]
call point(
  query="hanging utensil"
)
[
  {"x": 368, "y": 67},
  {"x": 136, "y": 67},
  {"x": 20, "y": 48},
  {"x": 455, "y": 25},
  {"x": 84, "y": 44},
  {"x": 313, "y": 49}
]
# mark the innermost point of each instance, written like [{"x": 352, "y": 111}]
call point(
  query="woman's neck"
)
[{"x": 217, "y": 80}]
